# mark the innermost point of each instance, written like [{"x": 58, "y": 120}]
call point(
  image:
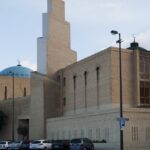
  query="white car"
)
[
  {"x": 41, "y": 144},
  {"x": 15, "y": 145},
  {"x": 4, "y": 144}
]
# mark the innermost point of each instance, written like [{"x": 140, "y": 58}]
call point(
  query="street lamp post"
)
[
  {"x": 13, "y": 106},
  {"x": 120, "y": 75}
]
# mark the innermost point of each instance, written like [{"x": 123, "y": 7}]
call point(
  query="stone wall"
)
[
  {"x": 96, "y": 126},
  {"x": 37, "y": 122},
  {"x": 21, "y": 106},
  {"x": 102, "y": 89},
  {"x": 19, "y": 85},
  {"x": 137, "y": 130},
  {"x": 93, "y": 96}
]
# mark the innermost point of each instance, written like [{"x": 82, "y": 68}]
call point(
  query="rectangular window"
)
[
  {"x": 90, "y": 134},
  {"x": 82, "y": 133},
  {"x": 134, "y": 133},
  {"x": 107, "y": 134},
  {"x": 147, "y": 133},
  {"x": 63, "y": 134},
  {"x": 142, "y": 67},
  {"x": 145, "y": 93},
  {"x": 57, "y": 135},
  {"x": 75, "y": 133},
  {"x": 52, "y": 135},
  {"x": 144, "y": 79},
  {"x": 98, "y": 134},
  {"x": 69, "y": 134}
]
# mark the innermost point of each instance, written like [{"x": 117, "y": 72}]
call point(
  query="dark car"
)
[
  {"x": 81, "y": 144},
  {"x": 25, "y": 145},
  {"x": 60, "y": 144}
]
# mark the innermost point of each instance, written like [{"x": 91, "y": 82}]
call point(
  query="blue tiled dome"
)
[{"x": 19, "y": 71}]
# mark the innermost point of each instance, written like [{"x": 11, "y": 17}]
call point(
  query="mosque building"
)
[
  {"x": 70, "y": 98},
  {"x": 22, "y": 82}
]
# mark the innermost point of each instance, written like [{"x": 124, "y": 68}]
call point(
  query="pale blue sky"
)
[{"x": 91, "y": 22}]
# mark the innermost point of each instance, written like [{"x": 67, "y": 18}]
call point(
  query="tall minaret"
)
[{"x": 53, "y": 48}]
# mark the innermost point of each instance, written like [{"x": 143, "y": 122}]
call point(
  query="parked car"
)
[
  {"x": 60, "y": 144},
  {"x": 41, "y": 144},
  {"x": 81, "y": 144},
  {"x": 4, "y": 144},
  {"x": 14, "y": 145},
  {"x": 25, "y": 145}
]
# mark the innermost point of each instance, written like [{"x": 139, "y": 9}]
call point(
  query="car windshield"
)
[
  {"x": 46, "y": 141},
  {"x": 2, "y": 142},
  {"x": 26, "y": 142},
  {"x": 76, "y": 141},
  {"x": 57, "y": 141},
  {"x": 36, "y": 142}
]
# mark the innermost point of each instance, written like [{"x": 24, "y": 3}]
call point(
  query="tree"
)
[
  {"x": 3, "y": 119},
  {"x": 23, "y": 130}
]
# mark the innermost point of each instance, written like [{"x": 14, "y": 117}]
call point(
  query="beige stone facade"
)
[
  {"x": 72, "y": 99},
  {"x": 55, "y": 53},
  {"x": 91, "y": 110},
  {"x": 21, "y": 113},
  {"x": 21, "y": 88}
]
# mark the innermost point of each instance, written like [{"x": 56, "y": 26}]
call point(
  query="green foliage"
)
[
  {"x": 102, "y": 141},
  {"x": 3, "y": 119},
  {"x": 23, "y": 130}
]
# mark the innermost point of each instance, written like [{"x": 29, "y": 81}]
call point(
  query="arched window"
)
[
  {"x": 74, "y": 81},
  {"x": 64, "y": 81},
  {"x": 5, "y": 93},
  {"x": 58, "y": 78},
  {"x": 97, "y": 73},
  {"x": 85, "y": 84},
  {"x": 64, "y": 101},
  {"x": 97, "y": 82},
  {"x": 74, "y": 90},
  {"x": 24, "y": 92},
  {"x": 85, "y": 78}
]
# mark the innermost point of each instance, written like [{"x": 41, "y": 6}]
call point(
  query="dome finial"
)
[
  {"x": 134, "y": 45},
  {"x": 19, "y": 64},
  {"x": 134, "y": 38}
]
